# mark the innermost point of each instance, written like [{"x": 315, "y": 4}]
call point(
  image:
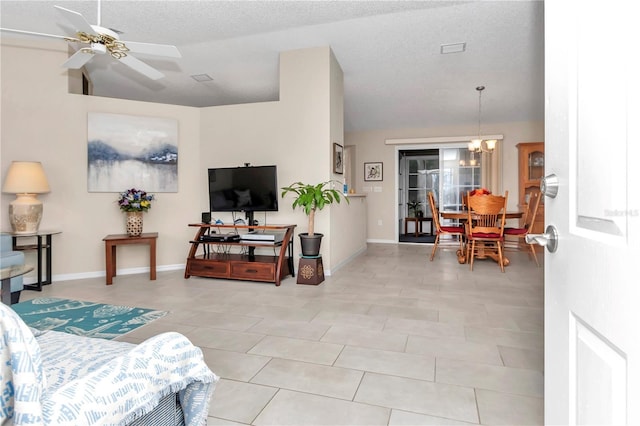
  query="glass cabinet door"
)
[{"x": 536, "y": 165}]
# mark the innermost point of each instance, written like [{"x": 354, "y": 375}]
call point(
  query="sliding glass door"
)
[
  {"x": 447, "y": 172},
  {"x": 421, "y": 175},
  {"x": 461, "y": 172}
]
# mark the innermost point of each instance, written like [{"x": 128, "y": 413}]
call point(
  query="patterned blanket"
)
[{"x": 98, "y": 382}]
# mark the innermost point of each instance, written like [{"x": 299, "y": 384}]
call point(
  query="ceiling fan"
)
[{"x": 100, "y": 40}]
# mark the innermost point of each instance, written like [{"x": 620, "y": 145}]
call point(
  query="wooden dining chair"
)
[
  {"x": 477, "y": 191},
  {"x": 514, "y": 238},
  {"x": 457, "y": 232},
  {"x": 485, "y": 226}
]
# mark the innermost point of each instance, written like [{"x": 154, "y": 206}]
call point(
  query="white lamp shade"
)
[
  {"x": 26, "y": 177},
  {"x": 491, "y": 144}
]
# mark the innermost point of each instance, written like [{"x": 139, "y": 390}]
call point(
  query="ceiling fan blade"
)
[
  {"x": 139, "y": 66},
  {"x": 78, "y": 59},
  {"x": 153, "y": 49},
  {"x": 9, "y": 30},
  {"x": 77, "y": 20}
]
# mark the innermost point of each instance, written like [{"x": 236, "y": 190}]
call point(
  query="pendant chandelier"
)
[{"x": 479, "y": 145}]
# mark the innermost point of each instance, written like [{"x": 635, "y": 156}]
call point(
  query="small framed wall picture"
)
[
  {"x": 338, "y": 158},
  {"x": 372, "y": 171}
]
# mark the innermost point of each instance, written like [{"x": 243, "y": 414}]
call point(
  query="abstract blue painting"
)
[{"x": 129, "y": 151}]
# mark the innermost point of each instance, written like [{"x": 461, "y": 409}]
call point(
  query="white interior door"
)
[{"x": 592, "y": 289}]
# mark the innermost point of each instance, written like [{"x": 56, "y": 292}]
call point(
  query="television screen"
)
[{"x": 243, "y": 189}]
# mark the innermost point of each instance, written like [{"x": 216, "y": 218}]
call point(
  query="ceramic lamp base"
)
[{"x": 25, "y": 213}]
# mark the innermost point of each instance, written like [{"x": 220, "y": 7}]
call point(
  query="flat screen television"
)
[{"x": 249, "y": 189}]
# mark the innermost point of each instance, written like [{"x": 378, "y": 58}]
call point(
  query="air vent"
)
[
  {"x": 201, "y": 77},
  {"x": 453, "y": 48}
]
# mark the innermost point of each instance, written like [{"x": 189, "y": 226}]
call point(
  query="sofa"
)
[
  {"x": 57, "y": 378},
  {"x": 10, "y": 257}
]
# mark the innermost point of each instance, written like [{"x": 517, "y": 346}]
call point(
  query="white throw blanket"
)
[
  {"x": 20, "y": 372},
  {"x": 98, "y": 382}
]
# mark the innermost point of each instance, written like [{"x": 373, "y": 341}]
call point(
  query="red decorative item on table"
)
[{"x": 480, "y": 191}]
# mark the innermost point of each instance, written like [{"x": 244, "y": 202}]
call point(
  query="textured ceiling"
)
[{"x": 394, "y": 74}]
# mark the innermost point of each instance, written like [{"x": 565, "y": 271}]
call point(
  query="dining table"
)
[{"x": 463, "y": 215}]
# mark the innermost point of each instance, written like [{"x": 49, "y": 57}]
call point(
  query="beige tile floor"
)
[{"x": 390, "y": 339}]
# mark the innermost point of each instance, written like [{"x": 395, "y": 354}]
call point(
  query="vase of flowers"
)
[{"x": 134, "y": 202}]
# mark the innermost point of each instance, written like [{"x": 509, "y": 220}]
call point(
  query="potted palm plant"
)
[
  {"x": 311, "y": 198},
  {"x": 415, "y": 206}
]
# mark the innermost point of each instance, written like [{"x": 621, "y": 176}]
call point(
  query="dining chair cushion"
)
[
  {"x": 515, "y": 231},
  {"x": 452, "y": 228}
]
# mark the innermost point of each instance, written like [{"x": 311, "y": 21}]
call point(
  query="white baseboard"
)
[
  {"x": 383, "y": 241},
  {"x": 97, "y": 274}
]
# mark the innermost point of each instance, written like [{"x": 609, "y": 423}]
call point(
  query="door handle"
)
[
  {"x": 549, "y": 239},
  {"x": 549, "y": 185}
]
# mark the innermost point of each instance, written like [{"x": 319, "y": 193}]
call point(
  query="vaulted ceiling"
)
[{"x": 395, "y": 75}]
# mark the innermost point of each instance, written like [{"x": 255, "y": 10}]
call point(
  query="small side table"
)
[
  {"x": 5, "y": 276},
  {"x": 114, "y": 240},
  {"x": 38, "y": 247},
  {"x": 418, "y": 224},
  {"x": 310, "y": 270}
]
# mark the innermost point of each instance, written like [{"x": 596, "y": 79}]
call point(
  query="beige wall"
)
[
  {"x": 371, "y": 147},
  {"x": 296, "y": 134},
  {"x": 350, "y": 230},
  {"x": 41, "y": 121}
]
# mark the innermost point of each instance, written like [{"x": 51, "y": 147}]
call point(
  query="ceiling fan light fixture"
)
[
  {"x": 101, "y": 40},
  {"x": 99, "y": 48},
  {"x": 105, "y": 32}
]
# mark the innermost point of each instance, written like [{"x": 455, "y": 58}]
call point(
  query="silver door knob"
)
[
  {"x": 549, "y": 185},
  {"x": 549, "y": 239}
]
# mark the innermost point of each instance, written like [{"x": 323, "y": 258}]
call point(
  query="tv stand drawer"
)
[
  {"x": 209, "y": 268},
  {"x": 253, "y": 271}
]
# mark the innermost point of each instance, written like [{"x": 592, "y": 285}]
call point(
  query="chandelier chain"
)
[{"x": 479, "y": 89}]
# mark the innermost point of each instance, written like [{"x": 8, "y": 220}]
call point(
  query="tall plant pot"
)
[
  {"x": 310, "y": 244},
  {"x": 134, "y": 224}
]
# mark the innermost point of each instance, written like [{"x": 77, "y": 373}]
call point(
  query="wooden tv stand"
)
[{"x": 240, "y": 266}]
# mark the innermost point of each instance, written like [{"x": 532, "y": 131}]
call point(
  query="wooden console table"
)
[
  {"x": 240, "y": 266},
  {"x": 114, "y": 240}
]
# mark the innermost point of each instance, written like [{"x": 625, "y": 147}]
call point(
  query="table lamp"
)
[{"x": 25, "y": 179}]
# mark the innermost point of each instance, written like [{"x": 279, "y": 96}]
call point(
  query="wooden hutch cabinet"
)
[{"x": 530, "y": 172}]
